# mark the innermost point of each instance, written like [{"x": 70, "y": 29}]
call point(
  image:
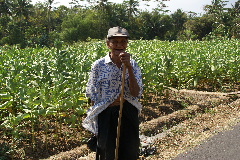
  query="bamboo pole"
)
[{"x": 120, "y": 113}]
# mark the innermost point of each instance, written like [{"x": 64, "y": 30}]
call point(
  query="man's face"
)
[{"x": 117, "y": 45}]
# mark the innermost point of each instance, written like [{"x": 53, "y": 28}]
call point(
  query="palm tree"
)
[
  {"x": 50, "y": 2},
  {"x": 21, "y": 9},
  {"x": 4, "y": 8},
  {"x": 132, "y": 7}
]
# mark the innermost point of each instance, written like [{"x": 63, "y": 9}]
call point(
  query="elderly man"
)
[{"x": 104, "y": 90}]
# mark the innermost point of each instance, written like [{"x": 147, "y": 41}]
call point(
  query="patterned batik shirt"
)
[{"x": 104, "y": 87}]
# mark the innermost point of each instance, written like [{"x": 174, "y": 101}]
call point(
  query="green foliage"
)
[
  {"x": 189, "y": 65},
  {"x": 154, "y": 25},
  {"x": 5, "y": 151},
  {"x": 81, "y": 26},
  {"x": 200, "y": 26},
  {"x": 43, "y": 89},
  {"x": 41, "y": 24},
  {"x": 224, "y": 19},
  {"x": 38, "y": 85}
]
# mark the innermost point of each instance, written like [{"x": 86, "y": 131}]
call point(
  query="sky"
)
[{"x": 173, "y": 5}]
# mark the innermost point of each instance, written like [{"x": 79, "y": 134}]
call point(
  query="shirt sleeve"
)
[
  {"x": 92, "y": 85},
  {"x": 138, "y": 76}
]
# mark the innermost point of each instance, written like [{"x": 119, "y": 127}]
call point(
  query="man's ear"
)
[{"x": 108, "y": 44}]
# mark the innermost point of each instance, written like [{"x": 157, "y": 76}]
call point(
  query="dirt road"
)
[{"x": 223, "y": 146}]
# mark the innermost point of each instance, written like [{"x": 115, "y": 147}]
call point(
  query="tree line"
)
[{"x": 41, "y": 24}]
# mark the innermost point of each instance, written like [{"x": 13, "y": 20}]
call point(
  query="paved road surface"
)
[{"x": 223, "y": 146}]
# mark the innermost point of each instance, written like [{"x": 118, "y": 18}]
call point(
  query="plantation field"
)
[{"x": 42, "y": 89}]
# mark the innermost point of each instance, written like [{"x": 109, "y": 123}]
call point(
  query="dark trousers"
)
[{"x": 107, "y": 133}]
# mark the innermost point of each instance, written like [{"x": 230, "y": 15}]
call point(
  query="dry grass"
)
[{"x": 194, "y": 131}]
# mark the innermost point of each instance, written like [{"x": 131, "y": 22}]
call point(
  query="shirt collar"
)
[{"x": 108, "y": 59}]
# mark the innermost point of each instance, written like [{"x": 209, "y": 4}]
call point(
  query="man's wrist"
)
[{"x": 129, "y": 66}]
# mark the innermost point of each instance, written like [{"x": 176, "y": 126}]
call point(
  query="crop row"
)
[
  {"x": 201, "y": 65},
  {"x": 42, "y": 89}
]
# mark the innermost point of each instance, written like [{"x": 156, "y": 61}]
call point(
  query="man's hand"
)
[
  {"x": 134, "y": 88},
  {"x": 125, "y": 58}
]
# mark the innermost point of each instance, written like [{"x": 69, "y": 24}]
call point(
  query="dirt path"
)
[{"x": 190, "y": 133}]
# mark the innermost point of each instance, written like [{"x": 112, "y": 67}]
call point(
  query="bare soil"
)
[
  {"x": 198, "y": 127},
  {"x": 178, "y": 122}
]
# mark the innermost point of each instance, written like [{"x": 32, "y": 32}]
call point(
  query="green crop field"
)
[
  {"x": 42, "y": 89},
  {"x": 203, "y": 65}
]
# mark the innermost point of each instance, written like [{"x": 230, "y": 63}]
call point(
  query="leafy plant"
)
[{"x": 42, "y": 90}]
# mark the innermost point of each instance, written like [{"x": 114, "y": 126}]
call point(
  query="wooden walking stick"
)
[{"x": 120, "y": 113}]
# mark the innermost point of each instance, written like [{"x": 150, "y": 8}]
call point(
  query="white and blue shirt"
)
[{"x": 104, "y": 87}]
